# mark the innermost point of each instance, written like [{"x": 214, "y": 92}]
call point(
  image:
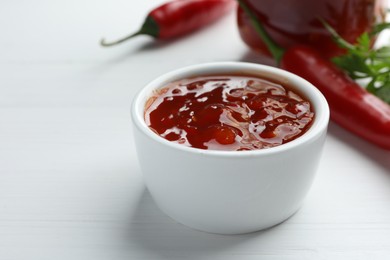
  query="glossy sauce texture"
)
[
  {"x": 292, "y": 22},
  {"x": 228, "y": 113}
]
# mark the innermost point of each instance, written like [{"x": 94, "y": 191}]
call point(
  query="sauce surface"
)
[{"x": 228, "y": 113}]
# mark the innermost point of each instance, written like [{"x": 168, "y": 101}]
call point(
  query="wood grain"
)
[{"x": 70, "y": 183}]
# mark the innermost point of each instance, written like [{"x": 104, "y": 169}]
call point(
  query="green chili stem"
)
[
  {"x": 107, "y": 44},
  {"x": 149, "y": 27},
  {"x": 276, "y": 51},
  {"x": 336, "y": 37}
]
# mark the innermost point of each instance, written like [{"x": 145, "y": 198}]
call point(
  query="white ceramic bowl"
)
[{"x": 230, "y": 192}]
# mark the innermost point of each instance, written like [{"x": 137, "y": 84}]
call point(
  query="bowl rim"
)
[{"x": 316, "y": 98}]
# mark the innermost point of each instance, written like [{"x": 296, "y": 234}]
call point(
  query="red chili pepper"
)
[
  {"x": 352, "y": 107},
  {"x": 179, "y": 17}
]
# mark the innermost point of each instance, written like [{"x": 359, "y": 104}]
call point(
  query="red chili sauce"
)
[{"x": 228, "y": 113}]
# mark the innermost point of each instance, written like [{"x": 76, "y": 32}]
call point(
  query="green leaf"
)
[
  {"x": 383, "y": 52},
  {"x": 364, "y": 42},
  {"x": 371, "y": 86},
  {"x": 364, "y": 63},
  {"x": 383, "y": 93},
  {"x": 378, "y": 28},
  {"x": 354, "y": 65}
]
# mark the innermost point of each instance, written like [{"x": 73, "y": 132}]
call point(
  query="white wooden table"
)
[{"x": 70, "y": 183}]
